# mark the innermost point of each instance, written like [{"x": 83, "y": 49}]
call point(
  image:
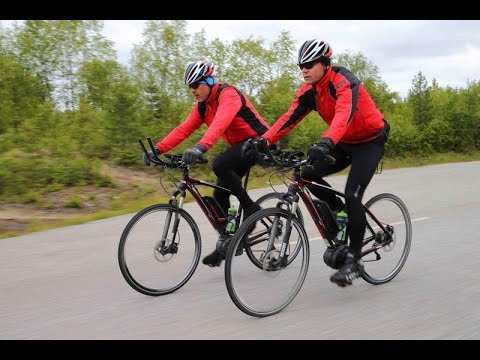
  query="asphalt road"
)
[{"x": 66, "y": 284}]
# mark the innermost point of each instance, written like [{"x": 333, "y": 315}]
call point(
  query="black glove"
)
[
  {"x": 191, "y": 156},
  {"x": 317, "y": 152},
  {"x": 146, "y": 159},
  {"x": 247, "y": 152}
]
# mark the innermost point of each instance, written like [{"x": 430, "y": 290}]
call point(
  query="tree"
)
[
  {"x": 159, "y": 61},
  {"x": 97, "y": 77},
  {"x": 55, "y": 50},
  {"x": 281, "y": 59},
  {"x": 247, "y": 66},
  {"x": 420, "y": 100},
  {"x": 21, "y": 93},
  {"x": 369, "y": 75}
]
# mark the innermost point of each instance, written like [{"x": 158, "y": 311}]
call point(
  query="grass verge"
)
[{"x": 258, "y": 179}]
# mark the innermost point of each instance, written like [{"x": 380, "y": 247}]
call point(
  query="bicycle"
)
[
  {"x": 154, "y": 235},
  {"x": 280, "y": 279}
]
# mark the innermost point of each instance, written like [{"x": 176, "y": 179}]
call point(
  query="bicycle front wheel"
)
[
  {"x": 268, "y": 290},
  {"x": 159, "y": 250},
  {"x": 384, "y": 252}
]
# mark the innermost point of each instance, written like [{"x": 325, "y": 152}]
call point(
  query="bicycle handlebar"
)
[
  {"x": 282, "y": 158},
  {"x": 174, "y": 160}
]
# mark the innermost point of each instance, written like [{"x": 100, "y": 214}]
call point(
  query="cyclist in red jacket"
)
[
  {"x": 227, "y": 114},
  {"x": 356, "y": 136}
]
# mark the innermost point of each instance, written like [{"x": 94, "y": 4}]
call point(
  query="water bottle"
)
[
  {"x": 232, "y": 220},
  {"x": 342, "y": 219}
]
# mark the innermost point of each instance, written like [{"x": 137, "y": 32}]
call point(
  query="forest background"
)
[{"x": 71, "y": 114}]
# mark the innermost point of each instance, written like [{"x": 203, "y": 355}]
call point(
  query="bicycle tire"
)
[
  {"x": 390, "y": 210},
  {"x": 265, "y": 286},
  {"x": 140, "y": 267}
]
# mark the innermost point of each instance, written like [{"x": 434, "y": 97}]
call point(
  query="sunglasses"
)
[
  {"x": 307, "y": 65},
  {"x": 195, "y": 85}
]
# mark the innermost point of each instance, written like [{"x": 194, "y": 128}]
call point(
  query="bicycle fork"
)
[
  {"x": 168, "y": 245},
  {"x": 281, "y": 262}
]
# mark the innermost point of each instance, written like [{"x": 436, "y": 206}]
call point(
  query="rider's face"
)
[
  {"x": 314, "y": 74},
  {"x": 201, "y": 93}
]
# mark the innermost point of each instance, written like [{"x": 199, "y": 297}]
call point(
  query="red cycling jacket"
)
[
  {"x": 343, "y": 103},
  {"x": 226, "y": 112}
]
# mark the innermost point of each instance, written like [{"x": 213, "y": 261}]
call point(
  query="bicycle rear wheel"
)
[
  {"x": 272, "y": 199},
  {"x": 384, "y": 253},
  {"x": 268, "y": 290},
  {"x": 153, "y": 258}
]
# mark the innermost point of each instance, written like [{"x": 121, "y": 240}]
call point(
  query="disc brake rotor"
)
[
  {"x": 268, "y": 259},
  {"x": 159, "y": 256}
]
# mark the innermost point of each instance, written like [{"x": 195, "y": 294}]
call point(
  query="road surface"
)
[{"x": 66, "y": 284}]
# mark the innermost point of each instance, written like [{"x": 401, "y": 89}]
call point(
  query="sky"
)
[{"x": 445, "y": 50}]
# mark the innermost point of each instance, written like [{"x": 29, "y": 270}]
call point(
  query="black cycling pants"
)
[
  {"x": 364, "y": 159},
  {"x": 230, "y": 167}
]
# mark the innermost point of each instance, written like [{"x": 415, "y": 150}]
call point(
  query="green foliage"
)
[
  {"x": 123, "y": 125},
  {"x": 55, "y": 50},
  {"x": 276, "y": 97},
  {"x": 97, "y": 78},
  {"x": 159, "y": 61},
  {"x": 439, "y": 136},
  {"x": 20, "y": 94},
  {"x": 404, "y": 138},
  {"x": 74, "y": 202},
  {"x": 306, "y": 133},
  {"x": 21, "y": 172},
  {"x": 369, "y": 75},
  {"x": 30, "y": 197},
  {"x": 66, "y": 103},
  {"x": 88, "y": 129},
  {"x": 359, "y": 65},
  {"x": 420, "y": 100},
  {"x": 104, "y": 181},
  {"x": 247, "y": 65}
]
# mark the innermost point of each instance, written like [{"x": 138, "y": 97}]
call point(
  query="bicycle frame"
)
[
  {"x": 188, "y": 183},
  {"x": 298, "y": 189}
]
